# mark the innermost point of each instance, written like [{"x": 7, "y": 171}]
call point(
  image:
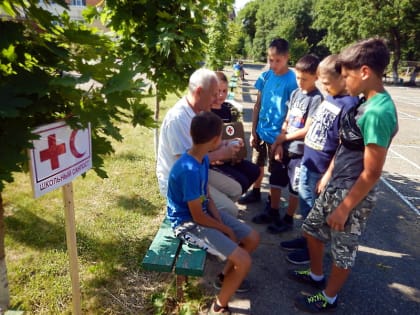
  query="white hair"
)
[{"x": 202, "y": 77}]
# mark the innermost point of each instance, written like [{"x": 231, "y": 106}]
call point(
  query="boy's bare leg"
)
[
  {"x": 336, "y": 280},
  {"x": 275, "y": 197},
  {"x": 293, "y": 204},
  {"x": 249, "y": 243},
  {"x": 316, "y": 254},
  {"x": 241, "y": 260}
]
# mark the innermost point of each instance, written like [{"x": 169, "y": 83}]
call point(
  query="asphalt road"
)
[{"x": 385, "y": 279}]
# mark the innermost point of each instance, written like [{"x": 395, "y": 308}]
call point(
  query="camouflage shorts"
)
[{"x": 343, "y": 244}]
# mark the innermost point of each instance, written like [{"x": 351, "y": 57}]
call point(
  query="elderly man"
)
[{"x": 175, "y": 139}]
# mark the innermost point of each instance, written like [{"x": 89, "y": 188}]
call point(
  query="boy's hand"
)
[
  {"x": 229, "y": 232},
  {"x": 337, "y": 219},
  {"x": 278, "y": 152},
  {"x": 254, "y": 140}
]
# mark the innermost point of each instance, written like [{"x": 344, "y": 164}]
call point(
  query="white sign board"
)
[{"x": 58, "y": 156}]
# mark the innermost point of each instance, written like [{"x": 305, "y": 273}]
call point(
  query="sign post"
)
[
  {"x": 71, "y": 246},
  {"x": 59, "y": 155}
]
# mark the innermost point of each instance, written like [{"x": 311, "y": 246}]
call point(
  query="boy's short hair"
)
[
  {"x": 371, "y": 52},
  {"x": 221, "y": 76},
  {"x": 330, "y": 66},
  {"x": 205, "y": 126},
  {"x": 307, "y": 64},
  {"x": 281, "y": 45}
]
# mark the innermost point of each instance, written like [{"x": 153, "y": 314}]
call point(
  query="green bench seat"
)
[{"x": 167, "y": 253}]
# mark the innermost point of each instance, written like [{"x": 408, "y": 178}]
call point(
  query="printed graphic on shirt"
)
[
  {"x": 298, "y": 105},
  {"x": 321, "y": 123}
]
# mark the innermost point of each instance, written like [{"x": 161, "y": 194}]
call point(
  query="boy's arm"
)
[
  {"x": 373, "y": 162},
  {"x": 253, "y": 139},
  {"x": 201, "y": 218},
  {"x": 322, "y": 183}
]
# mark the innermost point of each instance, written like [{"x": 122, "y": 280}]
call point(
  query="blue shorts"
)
[{"x": 212, "y": 240}]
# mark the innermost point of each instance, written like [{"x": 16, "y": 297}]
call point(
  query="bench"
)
[
  {"x": 231, "y": 96},
  {"x": 167, "y": 253}
]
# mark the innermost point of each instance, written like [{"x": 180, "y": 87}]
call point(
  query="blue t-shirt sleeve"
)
[{"x": 259, "y": 84}]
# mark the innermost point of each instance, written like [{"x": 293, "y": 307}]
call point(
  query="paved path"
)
[{"x": 386, "y": 277}]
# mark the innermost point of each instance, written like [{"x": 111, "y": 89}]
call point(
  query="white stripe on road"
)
[
  {"x": 404, "y": 158},
  {"x": 403, "y": 198}
]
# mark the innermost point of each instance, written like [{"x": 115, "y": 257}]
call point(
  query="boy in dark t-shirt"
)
[
  {"x": 341, "y": 211},
  {"x": 321, "y": 142}
]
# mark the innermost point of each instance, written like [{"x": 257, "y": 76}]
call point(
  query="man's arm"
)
[{"x": 373, "y": 162}]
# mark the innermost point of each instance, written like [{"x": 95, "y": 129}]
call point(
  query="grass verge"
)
[{"x": 116, "y": 220}]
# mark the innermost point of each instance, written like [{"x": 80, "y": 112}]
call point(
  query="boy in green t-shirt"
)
[{"x": 340, "y": 213}]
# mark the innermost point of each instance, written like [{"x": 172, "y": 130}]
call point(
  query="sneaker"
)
[
  {"x": 244, "y": 287},
  {"x": 250, "y": 197},
  {"x": 222, "y": 310},
  {"x": 316, "y": 303},
  {"x": 299, "y": 257},
  {"x": 297, "y": 243},
  {"x": 279, "y": 226},
  {"x": 304, "y": 276}
]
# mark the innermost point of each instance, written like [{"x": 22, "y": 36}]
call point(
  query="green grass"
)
[{"x": 116, "y": 220}]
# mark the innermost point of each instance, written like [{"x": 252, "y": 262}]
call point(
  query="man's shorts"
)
[
  {"x": 212, "y": 240},
  {"x": 282, "y": 173},
  {"x": 343, "y": 244}
]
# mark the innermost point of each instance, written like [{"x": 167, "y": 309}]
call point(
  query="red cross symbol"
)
[
  {"x": 230, "y": 130},
  {"x": 52, "y": 152}
]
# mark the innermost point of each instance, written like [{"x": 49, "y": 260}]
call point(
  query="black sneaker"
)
[
  {"x": 266, "y": 217},
  {"x": 304, "y": 276},
  {"x": 279, "y": 226},
  {"x": 316, "y": 303},
  {"x": 244, "y": 287},
  {"x": 297, "y": 243},
  {"x": 250, "y": 197},
  {"x": 299, "y": 257}
]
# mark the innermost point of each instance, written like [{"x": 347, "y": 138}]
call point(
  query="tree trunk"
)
[
  {"x": 156, "y": 131},
  {"x": 413, "y": 76},
  {"x": 397, "y": 55},
  {"x": 4, "y": 284}
]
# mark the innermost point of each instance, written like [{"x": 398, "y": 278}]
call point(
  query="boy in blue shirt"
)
[
  {"x": 194, "y": 217},
  {"x": 340, "y": 213},
  {"x": 275, "y": 87}
]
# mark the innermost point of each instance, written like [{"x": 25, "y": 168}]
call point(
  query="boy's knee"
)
[{"x": 241, "y": 258}]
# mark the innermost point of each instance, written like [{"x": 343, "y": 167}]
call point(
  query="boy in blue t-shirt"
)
[
  {"x": 321, "y": 142},
  {"x": 340, "y": 213},
  {"x": 194, "y": 217},
  {"x": 274, "y": 89}
]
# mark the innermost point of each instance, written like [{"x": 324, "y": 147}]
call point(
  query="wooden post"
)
[
  {"x": 180, "y": 281},
  {"x": 71, "y": 246}
]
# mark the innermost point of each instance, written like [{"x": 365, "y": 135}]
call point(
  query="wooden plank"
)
[
  {"x": 191, "y": 261},
  {"x": 13, "y": 313},
  {"x": 162, "y": 252},
  {"x": 231, "y": 96}
]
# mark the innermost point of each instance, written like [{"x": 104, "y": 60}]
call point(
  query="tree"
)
[
  {"x": 218, "y": 47},
  {"x": 398, "y": 21},
  {"x": 165, "y": 41},
  {"x": 44, "y": 60},
  {"x": 291, "y": 20}
]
